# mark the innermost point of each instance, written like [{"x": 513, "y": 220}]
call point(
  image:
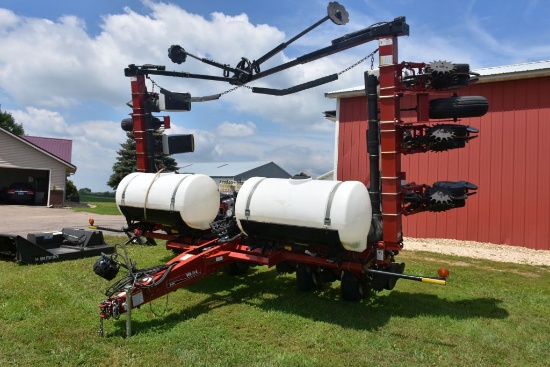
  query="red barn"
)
[{"x": 509, "y": 161}]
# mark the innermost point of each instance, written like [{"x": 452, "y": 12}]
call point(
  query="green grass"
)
[
  {"x": 99, "y": 204},
  {"x": 489, "y": 314},
  {"x": 96, "y": 198}
]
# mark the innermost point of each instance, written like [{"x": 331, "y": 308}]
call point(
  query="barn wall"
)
[
  {"x": 509, "y": 161},
  {"x": 352, "y": 142}
]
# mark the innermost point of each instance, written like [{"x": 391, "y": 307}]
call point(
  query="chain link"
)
[
  {"x": 153, "y": 83},
  {"x": 235, "y": 88},
  {"x": 115, "y": 311},
  {"x": 371, "y": 55},
  {"x": 101, "y": 331}
]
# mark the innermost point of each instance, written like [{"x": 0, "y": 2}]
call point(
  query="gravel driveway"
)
[{"x": 22, "y": 219}]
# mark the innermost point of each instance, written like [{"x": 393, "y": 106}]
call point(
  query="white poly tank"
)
[
  {"x": 305, "y": 203},
  {"x": 169, "y": 198}
]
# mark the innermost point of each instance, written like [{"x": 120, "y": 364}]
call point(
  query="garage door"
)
[{"x": 39, "y": 179}]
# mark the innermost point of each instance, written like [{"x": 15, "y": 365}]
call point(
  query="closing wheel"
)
[
  {"x": 237, "y": 268},
  {"x": 304, "y": 277},
  {"x": 458, "y": 107},
  {"x": 353, "y": 289}
]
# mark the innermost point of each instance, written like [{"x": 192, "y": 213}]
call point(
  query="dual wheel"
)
[{"x": 352, "y": 288}]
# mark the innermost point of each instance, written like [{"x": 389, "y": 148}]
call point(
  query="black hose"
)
[
  {"x": 226, "y": 240},
  {"x": 373, "y": 149}
]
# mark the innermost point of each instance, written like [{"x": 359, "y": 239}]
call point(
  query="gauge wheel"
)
[
  {"x": 304, "y": 277},
  {"x": 353, "y": 290},
  {"x": 237, "y": 268}
]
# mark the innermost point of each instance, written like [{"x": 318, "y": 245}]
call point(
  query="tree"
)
[
  {"x": 127, "y": 162},
  {"x": 8, "y": 123},
  {"x": 70, "y": 189}
]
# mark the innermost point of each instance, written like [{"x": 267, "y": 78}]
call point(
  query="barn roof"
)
[
  {"x": 515, "y": 71},
  {"x": 524, "y": 70},
  {"x": 515, "y": 68}
]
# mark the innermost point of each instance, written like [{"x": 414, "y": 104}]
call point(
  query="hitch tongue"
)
[{"x": 439, "y": 281}]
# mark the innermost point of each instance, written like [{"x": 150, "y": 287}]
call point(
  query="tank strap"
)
[
  {"x": 329, "y": 204},
  {"x": 247, "y": 210},
  {"x": 157, "y": 175},
  {"x": 173, "y": 199},
  {"x": 123, "y": 198}
]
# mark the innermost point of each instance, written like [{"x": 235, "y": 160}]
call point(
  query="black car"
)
[{"x": 21, "y": 193}]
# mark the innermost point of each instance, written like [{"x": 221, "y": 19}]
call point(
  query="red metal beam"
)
[
  {"x": 390, "y": 143},
  {"x": 139, "y": 94}
]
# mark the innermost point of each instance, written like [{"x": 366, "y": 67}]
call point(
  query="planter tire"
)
[
  {"x": 353, "y": 290},
  {"x": 237, "y": 268},
  {"x": 304, "y": 278},
  {"x": 458, "y": 107}
]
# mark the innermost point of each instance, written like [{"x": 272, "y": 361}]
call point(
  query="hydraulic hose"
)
[{"x": 373, "y": 149}]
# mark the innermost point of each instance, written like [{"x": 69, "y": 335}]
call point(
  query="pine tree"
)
[
  {"x": 8, "y": 123},
  {"x": 127, "y": 162}
]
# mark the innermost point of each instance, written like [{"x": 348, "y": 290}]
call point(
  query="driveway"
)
[{"x": 22, "y": 219}]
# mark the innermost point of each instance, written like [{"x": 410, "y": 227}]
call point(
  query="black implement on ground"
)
[{"x": 42, "y": 247}]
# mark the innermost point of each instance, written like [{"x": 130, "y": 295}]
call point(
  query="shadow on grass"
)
[{"x": 270, "y": 291}]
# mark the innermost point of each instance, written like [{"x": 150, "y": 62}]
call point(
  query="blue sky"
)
[{"x": 62, "y": 62}]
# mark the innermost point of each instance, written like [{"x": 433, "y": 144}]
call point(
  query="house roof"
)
[
  {"x": 221, "y": 169},
  {"x": 525, "y": 70},
  {"x": 61, "y": 148},
  {"x": 72, "y": 168}
]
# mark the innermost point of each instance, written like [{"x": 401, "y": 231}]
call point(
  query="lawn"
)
[
  {"x": 489, "y": 314},
  {"x": 99, "y": 204}
]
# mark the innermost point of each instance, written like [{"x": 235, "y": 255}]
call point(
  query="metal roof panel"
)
[
  {"x": 493, "y": 73},
  {"x": 221, "y": 169},
  {"x": 61, "y": 148}
]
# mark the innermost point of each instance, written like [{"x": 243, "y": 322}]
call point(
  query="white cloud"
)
[
  {"x": 53, "y": 73},
  {"x": 231, "y": 129},
  {"x": 41, "y": 122},
  {"x": 9, "y": 20},
  {"x": 67, "y": 67}
]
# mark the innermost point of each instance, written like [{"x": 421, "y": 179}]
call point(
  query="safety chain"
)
[
  {"x": 155, "y": 84},
  {"x": 115, "y": 311},
  {"x": 371, "y": 55},
  {"x": 101, "y": 330},
  {"x": 163, "y": 311},
  {"x": 235, "y": 88}
]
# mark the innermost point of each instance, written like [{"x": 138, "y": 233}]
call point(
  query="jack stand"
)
[{"x": 128, "y": 313}]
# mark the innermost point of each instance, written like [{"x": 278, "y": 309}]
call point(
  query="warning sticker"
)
[
  {"x": 137, "y": 299},
  {"x": 386, "y": 60},
  {"x": 385, "y": 42}
]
